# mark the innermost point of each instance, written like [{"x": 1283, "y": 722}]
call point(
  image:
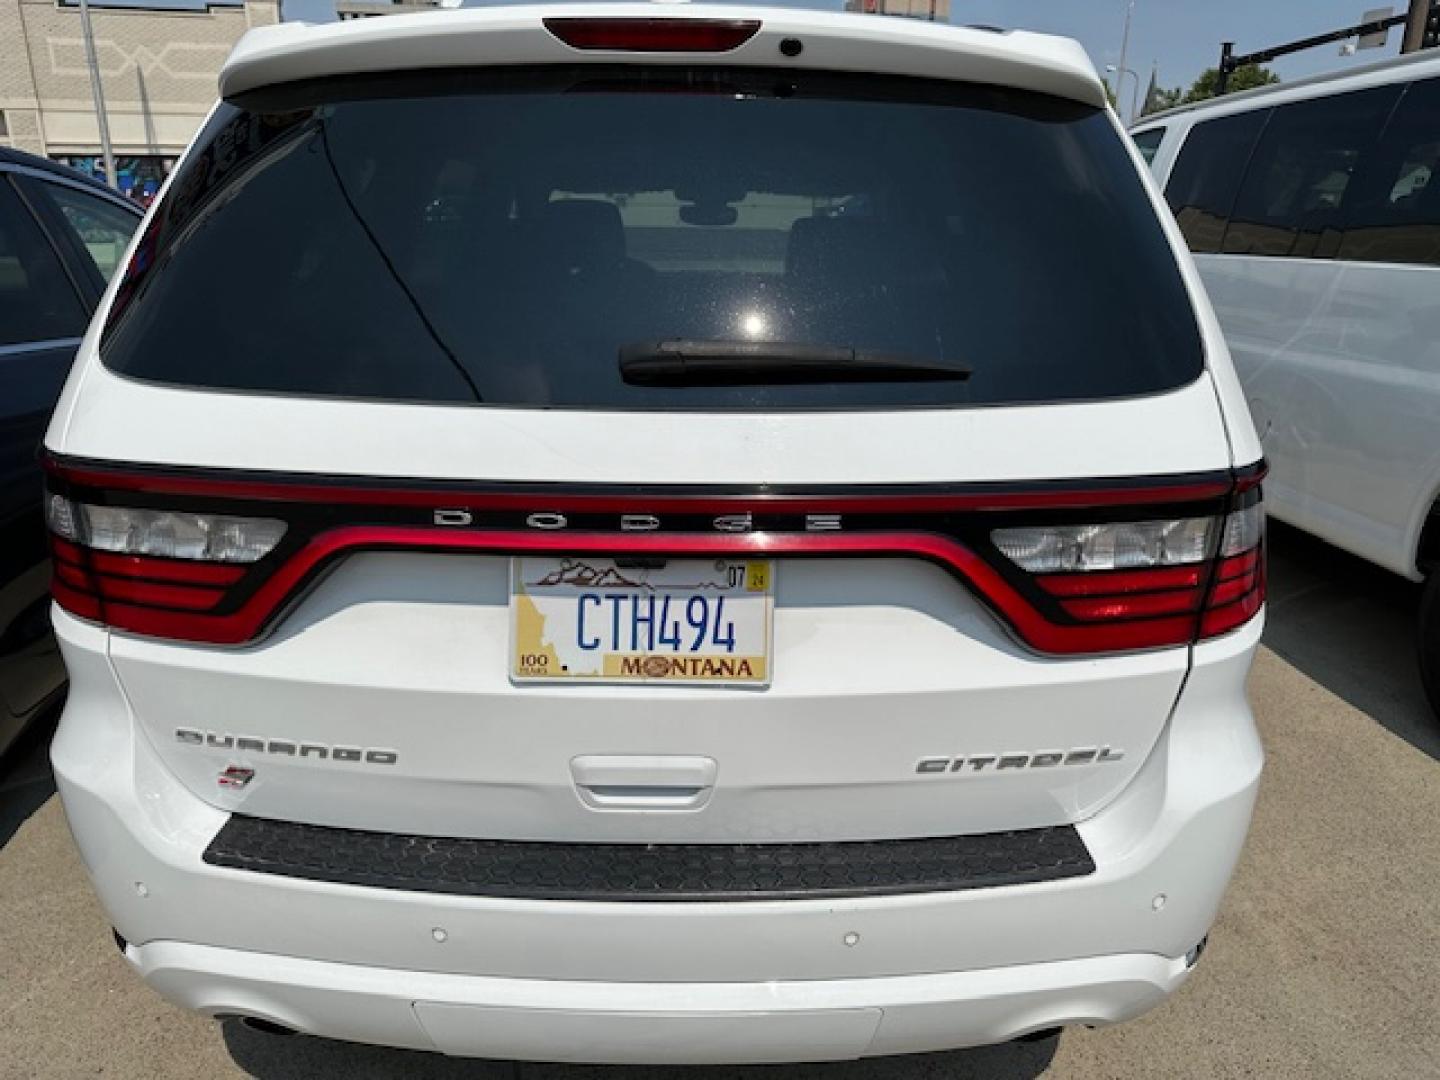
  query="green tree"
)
[
  {"x": 1161, "y": 99},
  {"x": 1242, "y": 78}
]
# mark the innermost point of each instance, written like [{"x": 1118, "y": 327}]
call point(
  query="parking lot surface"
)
[{"x": 1325, "y": 961}]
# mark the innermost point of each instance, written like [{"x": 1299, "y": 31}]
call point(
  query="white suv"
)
[
  {"x": 637, "y": 534},
  {"x": 1314, "y": 214}
]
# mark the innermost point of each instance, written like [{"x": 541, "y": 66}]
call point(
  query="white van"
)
[
  {"x": 628, "y": 534},
  {"x": 1313, "y": 209}
]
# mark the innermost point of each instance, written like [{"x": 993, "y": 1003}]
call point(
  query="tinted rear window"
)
[{"x": 497, "y": 238}]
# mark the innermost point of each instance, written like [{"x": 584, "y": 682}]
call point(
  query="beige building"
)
[
  {"x": 364, "y": 9},
  {"x": 158, "y": 68},
  {"x": 933, "y": 10}
]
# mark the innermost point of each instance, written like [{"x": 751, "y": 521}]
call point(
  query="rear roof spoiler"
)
[{"x": 489, "y": 36}]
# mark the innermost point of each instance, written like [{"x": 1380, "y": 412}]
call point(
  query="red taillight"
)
[
  {"x": 1133, "y": 606},
  {"x": 1117, "y": 583},
  {"x": 138, "y": 566},
  {"x": 88, "y": 582},
  {"x": 1237, "y": 593},
  {"x": 1184, "y": 578},
  {"x": 654, "y": 35},
  {"x": 1236, "y": 578},
  {"x": 151, "y": 570}
]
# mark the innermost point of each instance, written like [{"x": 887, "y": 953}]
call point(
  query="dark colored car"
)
[{"x": 61, "y": 236}]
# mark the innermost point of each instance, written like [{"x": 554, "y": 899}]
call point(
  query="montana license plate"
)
[{"x": 696, "y": 621}]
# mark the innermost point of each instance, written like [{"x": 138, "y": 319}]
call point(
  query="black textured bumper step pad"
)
[{"x": 648, "y": 872}]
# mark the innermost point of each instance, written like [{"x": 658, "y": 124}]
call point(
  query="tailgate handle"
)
[{"x": 635, "y": 782}]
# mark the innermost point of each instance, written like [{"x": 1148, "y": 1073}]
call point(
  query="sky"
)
[
  {"x": 1179, "y": 37},
  {"x": 1182, "y": 37}
]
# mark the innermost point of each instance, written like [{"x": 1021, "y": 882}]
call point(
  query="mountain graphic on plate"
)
[{"x": 583, "y": 575}]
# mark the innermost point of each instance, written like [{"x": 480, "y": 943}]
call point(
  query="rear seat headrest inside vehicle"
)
[{"x": 583, "y": 234}]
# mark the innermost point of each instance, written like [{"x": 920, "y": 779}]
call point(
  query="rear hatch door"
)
[{"x": 393, "y": 314}]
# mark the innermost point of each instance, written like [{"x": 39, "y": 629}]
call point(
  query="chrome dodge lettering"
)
[
  {"x": 549, "y": 520},
  {"x": 734, "y": 523}
]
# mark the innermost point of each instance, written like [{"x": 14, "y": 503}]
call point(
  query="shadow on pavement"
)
[
  {"x": 1350, "y": 626},
  {"x": 285, "y": 1057},
  {"x": 25, "y": 778}
]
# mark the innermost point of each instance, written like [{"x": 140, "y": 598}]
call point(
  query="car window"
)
[
  {"x": 1290, "y": 201},
  {"x": 370, "y": 252},
  {"x": 38, "y": 302},
  {"x": 1207, "y": 175},
  {"x": 1394, "y": 215},
  {"x": 1148, "y": 142},
  {"x": 102, "y": 228}
]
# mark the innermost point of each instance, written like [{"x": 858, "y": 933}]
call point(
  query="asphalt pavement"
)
[{"x": 1325, "y": 961}]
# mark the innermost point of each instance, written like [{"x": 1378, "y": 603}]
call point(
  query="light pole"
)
[
  {"x": 97, "y": 92},
  {"x": 1418, "y": 25},
  {"x": 1120, "y": 73},
  {"x": 1124, "y": 50}
]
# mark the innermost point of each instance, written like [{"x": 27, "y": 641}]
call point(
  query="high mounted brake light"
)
[
  {"x": 654, "y": 35},
  {"x": 204, "y": 556}
]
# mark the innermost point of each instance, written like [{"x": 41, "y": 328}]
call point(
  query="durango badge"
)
[{"x": 285, "y": 747}]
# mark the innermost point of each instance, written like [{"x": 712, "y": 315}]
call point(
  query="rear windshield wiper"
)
[{"x": 679, "y": 362}]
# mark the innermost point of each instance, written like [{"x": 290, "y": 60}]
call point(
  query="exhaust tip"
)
[{"x": 266, "y": 1027}]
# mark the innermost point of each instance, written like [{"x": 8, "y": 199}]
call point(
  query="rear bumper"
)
[
  {"x": 658, "y": 1023},
  {"x": 636, "y": 982}
]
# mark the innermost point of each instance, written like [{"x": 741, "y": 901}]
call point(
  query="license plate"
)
[{"x": 691, "y": 621}]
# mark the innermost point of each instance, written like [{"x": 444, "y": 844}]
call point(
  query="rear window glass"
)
[{"x": 500, "y": 237}]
